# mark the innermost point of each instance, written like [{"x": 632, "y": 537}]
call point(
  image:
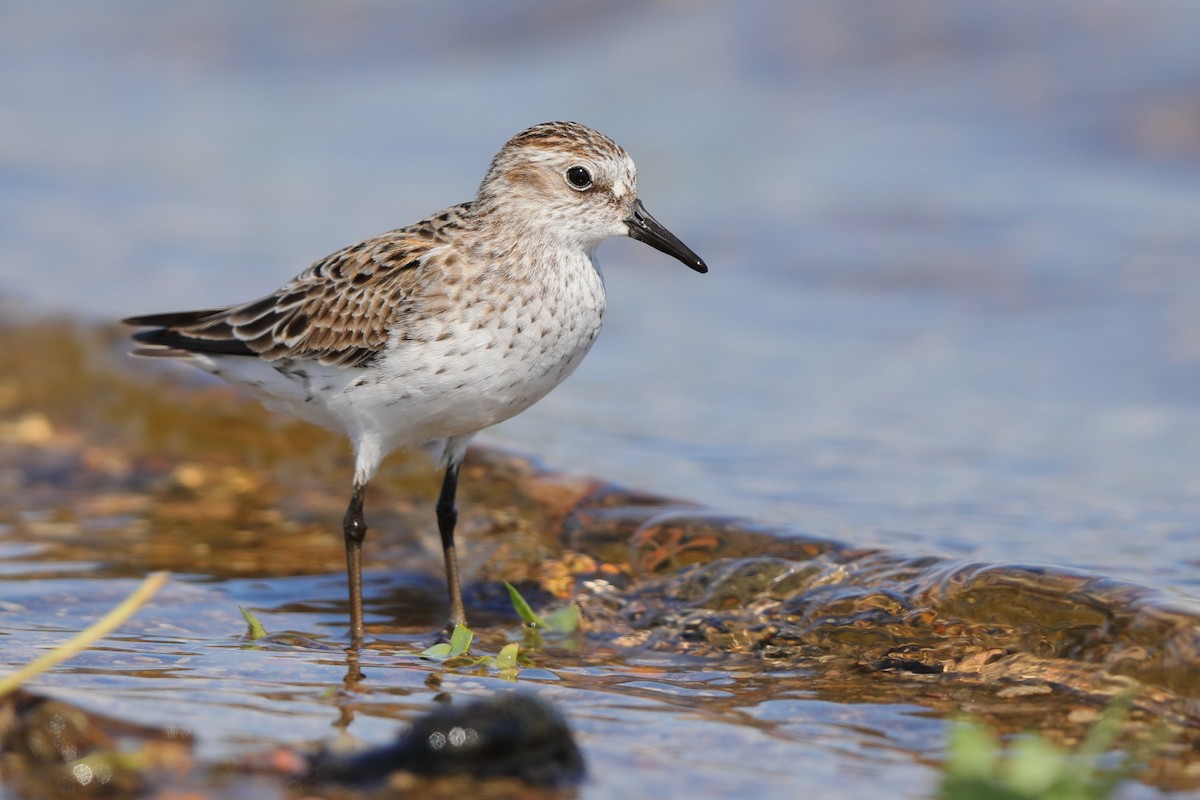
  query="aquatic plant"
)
[{"x": 981, "y": 767}]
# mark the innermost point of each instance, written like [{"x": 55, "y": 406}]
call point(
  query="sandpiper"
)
[{"x": 425, "y": 335}]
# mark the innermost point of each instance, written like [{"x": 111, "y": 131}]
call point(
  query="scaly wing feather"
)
[{"x": 340, "y": 311}]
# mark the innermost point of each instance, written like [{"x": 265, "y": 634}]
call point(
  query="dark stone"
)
[{"x": 514, "y": 734}]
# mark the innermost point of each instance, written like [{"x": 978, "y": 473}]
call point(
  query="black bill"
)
[{"x": 646, "y": 228}]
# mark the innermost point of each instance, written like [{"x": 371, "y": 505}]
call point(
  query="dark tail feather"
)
[
  {"x": 172, "y": 318},
  {"x": 164, "y": 338},
  {"x": 174, "y": 340}
]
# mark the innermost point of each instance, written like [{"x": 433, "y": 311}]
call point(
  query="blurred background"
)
[{"x": 953, "y": 296}]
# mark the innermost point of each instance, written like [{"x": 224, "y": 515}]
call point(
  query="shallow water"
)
[
  {"x": 773, "y": 661},
  {"x": 951, "y": 306}
]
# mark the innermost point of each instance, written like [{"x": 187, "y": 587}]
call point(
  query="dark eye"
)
[{"x": 579, "y": 178}]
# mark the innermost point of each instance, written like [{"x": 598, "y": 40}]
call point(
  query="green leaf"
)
[
  {"x": 972, "y": 752},
  {"x": 254, "y": 628},
  {"x": 438, "y": 652},
  {"x": 1035, "y": 766},
  {"x": 524, "y": 610},
  {"x": 507, "y": 657},
  {"x": 460, "y": 642},
  {"x": 564, "y": 620}
]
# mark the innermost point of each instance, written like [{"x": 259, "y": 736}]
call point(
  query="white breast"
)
[{"x": 498, "y": 356}]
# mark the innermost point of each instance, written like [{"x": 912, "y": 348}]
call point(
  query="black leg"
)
[
  {"x": 355, "y": 529},
  {"x": 447, "y": 516}
]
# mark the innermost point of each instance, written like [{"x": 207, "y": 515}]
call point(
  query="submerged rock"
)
[
  {"x": 51, "y": 748},
  {"x": 514, "y": 735}
]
